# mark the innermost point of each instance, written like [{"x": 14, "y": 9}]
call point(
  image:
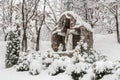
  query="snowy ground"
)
[
  {"x": 2, "y": 54},
  {"x": 11, "y": 74},
  {"x": 106, "y": 44}
]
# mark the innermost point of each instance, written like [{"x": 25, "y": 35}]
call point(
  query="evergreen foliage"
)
[{"x": 13, "y": 48}]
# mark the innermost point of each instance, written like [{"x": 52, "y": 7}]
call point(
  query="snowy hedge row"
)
[{"x": 91, "y": 65}]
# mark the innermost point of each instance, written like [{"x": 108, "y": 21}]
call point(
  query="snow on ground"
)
[
  {"x": 110, "y": 77},
  {"x": 107, "y": 45},
  {"x": 45, "y": 46},
  {"x": 2, "y": 54},
  {"x": 11, "y": 74}
]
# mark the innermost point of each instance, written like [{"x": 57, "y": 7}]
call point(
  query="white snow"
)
[
  {"x": 73, "y": 31},
  {"x": 118, "y": 72},
  {"x": 103, "y": 65},
  {"x": 45, "y": 46},
  {"x": 79, "y": 21},
  {"x": 62, "y": 63},
  {"x": 35, "y": 66},
  {"x": 110, "y": 77},
  {"x": 60, "y": 48},
  {"x": 77, "y": 68},
  {"x": 54, "y": 67},
  {"x": 107, "y": 45},
  {"x": 89, "y": 76},
  {"x": 11, "y": 74},
  {"x": 56, "y": 31},
  {"x": 2, "y": 54}
]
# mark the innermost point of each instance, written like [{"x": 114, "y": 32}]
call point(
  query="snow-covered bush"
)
[
  {"x": 90, "y": 56},
  {"x": 81, "y": 46},
  {"x": 89, "y": 75},
  {"x": 58, "y": 66},
  {"x": 26, "y": 60},
  {"x": 118, "y": 73},
  {"x": 23, "y": 62},
  {"x": 117, "y": 64},
  {"x": 102, "y": 68},
  {"x": 48, "y": 58},
  {"x": 77, "y": 70},
  {"x": 110, "y": 77},
  {"x": 85, "y": 54},
  {"x": 76, "y": 57},
  {"x": 115, "y": 73},
  {"x": 13, "y": 48},
  {"x": 35, "y": 67},
  {"x": 117, "y": 68}
]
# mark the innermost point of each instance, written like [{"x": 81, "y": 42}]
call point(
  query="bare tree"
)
[
  {"x": 7, "y": 15},
  {"x": 40, "y": 21},
  {"x": 88, "y": 9},
  {"x": 113, "y": 7},
  {"x": 28, "y": 11},
  {"x": 54, "y": 19}
]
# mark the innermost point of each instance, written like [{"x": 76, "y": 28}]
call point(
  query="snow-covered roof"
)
[{"x": 79, "y": 21}]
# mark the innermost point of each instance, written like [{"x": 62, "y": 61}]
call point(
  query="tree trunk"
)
[
  {"x": 24, "y": 41},
  {"x": 86, "y": 11},
  {"x": 117, "y": 29},
  {"x": 38, "y": 36},
  {"x": 38, "y": 41},
  {"x": 39, "y": 29}
]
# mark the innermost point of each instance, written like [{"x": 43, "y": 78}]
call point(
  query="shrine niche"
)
[{"x": 70, "y": 30}]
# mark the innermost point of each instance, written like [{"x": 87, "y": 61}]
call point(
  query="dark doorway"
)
[
  {"x": 67, "y": 25},
  {"x": 76, "y": 38}
]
